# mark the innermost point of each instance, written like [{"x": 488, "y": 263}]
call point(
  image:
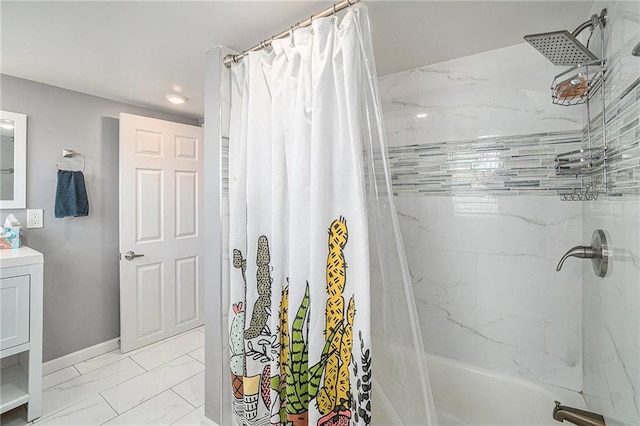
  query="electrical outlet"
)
[{"x": 35, "y": 218}]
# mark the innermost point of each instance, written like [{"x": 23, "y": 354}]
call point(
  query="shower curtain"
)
[{"x": 300, "y": 149}]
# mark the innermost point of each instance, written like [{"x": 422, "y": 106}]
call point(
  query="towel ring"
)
[{"x": 69, "y": 153}]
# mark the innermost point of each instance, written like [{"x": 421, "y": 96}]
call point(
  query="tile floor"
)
[{"x": 160, "y": 384}]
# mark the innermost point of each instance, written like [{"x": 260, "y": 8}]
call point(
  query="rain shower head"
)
[{"x": 562, "y": 47}]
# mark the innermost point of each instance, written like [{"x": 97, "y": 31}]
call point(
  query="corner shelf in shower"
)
[
  {"x": 578, "y": 85},
  {"x": 581, "y": 161}
]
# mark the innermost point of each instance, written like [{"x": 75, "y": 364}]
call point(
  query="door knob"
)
[{"x": 131, "y": 255}]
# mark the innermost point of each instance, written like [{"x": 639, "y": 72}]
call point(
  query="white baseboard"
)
[
  {"x": 79, "y": 356},
  {"x": 206, "y": 421}
]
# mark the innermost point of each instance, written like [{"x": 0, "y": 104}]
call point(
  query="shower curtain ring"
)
[{"x": 291, "y": 41}]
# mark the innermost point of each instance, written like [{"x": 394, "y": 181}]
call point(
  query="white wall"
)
[
  {"x": 611, "y": 305},
  {"x": 483, "y": 265}
]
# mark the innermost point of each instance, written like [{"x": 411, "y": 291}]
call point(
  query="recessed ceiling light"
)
[{"x": 176, "y": 99}]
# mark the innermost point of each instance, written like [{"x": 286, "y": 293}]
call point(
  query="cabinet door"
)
[{"x": 14, "y": 311}]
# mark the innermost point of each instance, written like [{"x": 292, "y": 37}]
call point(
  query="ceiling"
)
[{"x": 138, "y": 51}]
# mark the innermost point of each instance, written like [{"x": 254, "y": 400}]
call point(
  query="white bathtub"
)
[{"x": 470, "y": 396}]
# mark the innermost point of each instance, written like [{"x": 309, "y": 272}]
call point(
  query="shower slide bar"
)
[{"x": 337, "y": 7}]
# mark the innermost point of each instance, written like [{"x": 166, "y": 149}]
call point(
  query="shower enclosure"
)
[{"x": 473, "y": 146}]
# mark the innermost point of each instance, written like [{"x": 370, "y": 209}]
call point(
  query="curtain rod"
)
[{"x": 337, "y": 7}]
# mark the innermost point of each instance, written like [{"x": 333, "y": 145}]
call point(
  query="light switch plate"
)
[{"x": 35, "y": 218}]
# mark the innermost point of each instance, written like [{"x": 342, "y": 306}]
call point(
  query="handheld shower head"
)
[{"x": 562, "y": 47}]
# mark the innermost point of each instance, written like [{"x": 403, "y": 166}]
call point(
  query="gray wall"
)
[{"x": 81, "y": 293}]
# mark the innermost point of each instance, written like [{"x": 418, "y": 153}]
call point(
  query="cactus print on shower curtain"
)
[
  {"x": 262, "y": 307},
  {"x": 254, "y": 345},
  {"x": 334, "y": 398},
  {"x": 236, "y": 337},
  {"x": 297, "y": 381}
]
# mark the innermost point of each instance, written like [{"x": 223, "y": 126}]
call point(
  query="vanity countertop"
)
[{"x": 19, "y": 257}]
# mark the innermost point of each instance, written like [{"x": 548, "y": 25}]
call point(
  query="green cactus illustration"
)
[
  {"x": 302, "y": 382},
  {"x": 335, "y": 394},
  {"x": 240, "y": 263},
  {"x": 236, "y": 342},
  {"x": 236, "y": 345},
  {"x": 279, "y": 381},
  {"x": 237, "y": 324},
  {"x": 262, "y": 307}
]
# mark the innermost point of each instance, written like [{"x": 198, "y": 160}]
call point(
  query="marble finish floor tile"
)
[
  {"x": 170, "y": 349},
  {"x": 109, "y": 358},
  {"x": 75, "y": 390},
  {"x": 163, "y": 409},
  {"x": 127, "y": 395},
  {"x": 192, "y": 389},
  {"x": 162, "y": 383},
  {"x": 91, "y": 411},
  {"x": 60, "y": 376},
  {"x": 194, "y": 418},
  {"x": 198, "y": 354}
]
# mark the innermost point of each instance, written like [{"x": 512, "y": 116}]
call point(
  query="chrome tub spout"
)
[
  {"x": 577, "y": 416},
  {"x": 582, "y": 252},
  {"x": 598, "y": 252}
]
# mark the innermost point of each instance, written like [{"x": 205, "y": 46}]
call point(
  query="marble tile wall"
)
[
  {"x": 611, "y": 305},
  {"x": 485, "y": 283},
  {"x": 502, "y": 92},
  {"x": 612, "y": 313},
  {"x": 483, "y": 264}
]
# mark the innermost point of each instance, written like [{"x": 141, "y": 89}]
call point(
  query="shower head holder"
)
[{"x": 592, "y": 23}]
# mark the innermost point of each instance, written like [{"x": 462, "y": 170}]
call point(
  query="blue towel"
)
[{"x": 71, "y": 194}]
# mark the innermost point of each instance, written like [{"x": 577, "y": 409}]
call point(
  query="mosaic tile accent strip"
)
[
  {"x": 623, "y": 143},
  {"x": 524, "y": 164},
  {"x": 508, "y": 165}
]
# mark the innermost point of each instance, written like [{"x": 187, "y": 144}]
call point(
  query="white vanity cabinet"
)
[{"x": 21, "y": 330}]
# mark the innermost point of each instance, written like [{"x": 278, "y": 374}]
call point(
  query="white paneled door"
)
[{"x": 161, "y": 229}]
